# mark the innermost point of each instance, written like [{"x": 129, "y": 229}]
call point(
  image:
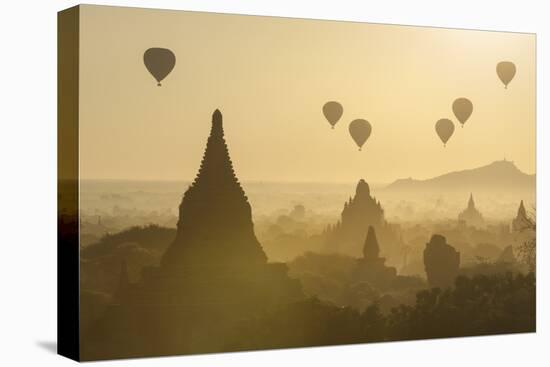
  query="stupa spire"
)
[
  {"x": 216, "y": 163},
  {"x": 521, "y": 221},
  {"x": 215, "y": 219},
  {"x": 371, "y": 249},
  {"x": 471, "y": 204},
  {"x": 521, "y": 210}
]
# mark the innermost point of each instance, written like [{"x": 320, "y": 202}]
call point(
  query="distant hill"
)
[{"x": 497, "y": 177}]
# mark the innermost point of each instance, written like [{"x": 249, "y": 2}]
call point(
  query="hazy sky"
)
[{"x": 270, "y": 78}]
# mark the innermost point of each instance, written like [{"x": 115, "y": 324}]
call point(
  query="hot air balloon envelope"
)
[
  {"x": 506, "y": 71},
  {"x": 462, "y": 108},
  {"x": 333, "y": 111},
  {"x": 444, "y": 129},
  {"x": 159, "y": 62},
  {"x": 360, "y": 131}
]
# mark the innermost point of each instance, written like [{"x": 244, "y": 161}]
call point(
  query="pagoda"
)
[
  {"x": 213, "y": 276},
  {"x": 215, "y": 253},
  {"x": 348, "y": 234},
  {"x": 215, "y": 228},
  {"x": 521, "y": 221},
  {"x": 371, "y": 267},
  {"x": 471, "y": 216}
]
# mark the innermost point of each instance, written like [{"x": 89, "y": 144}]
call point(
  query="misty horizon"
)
[{"x": 378, "y": 184}]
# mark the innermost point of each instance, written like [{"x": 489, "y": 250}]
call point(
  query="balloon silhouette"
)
[
  {"x": 159, "y": 62},
  {"x": 445, "y": 129},
  {"x": 332, "y": 111},
  {"x": 506, "y": 71},
  {"x": 360, "y": 131},
  {"x": 462, "y": 108}
]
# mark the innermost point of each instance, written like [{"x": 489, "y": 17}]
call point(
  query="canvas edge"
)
[{"x": 68, "y": 278}]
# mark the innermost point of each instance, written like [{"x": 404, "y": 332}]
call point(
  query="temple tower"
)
[
  {"x": 521, "y": 221},
  {"x": 215, "y": 228},
  {"x": 371, "y": 250},
  {"x": 471, "y": 216}
]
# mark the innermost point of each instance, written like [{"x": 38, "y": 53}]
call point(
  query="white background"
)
[{"x": 28, "y": 183}]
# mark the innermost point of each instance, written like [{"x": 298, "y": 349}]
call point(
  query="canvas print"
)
[{"x": 232, "y": 183}]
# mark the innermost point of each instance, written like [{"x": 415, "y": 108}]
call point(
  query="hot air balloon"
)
[
  {"x": 462, "y": 108},
  {"x": 360, "y": 131},
  {"x": 333, "y": 111},
  {"x": 159, "y": 62},
  {"x": 445, "y": 129},
  {"x": 506, "y": 71}
]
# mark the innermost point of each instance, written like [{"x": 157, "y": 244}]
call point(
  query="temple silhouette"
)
[
  {"x": 214, "y": 274},
  {"x": 215, "y": 227},
  {"x": 471, "y": 216},
  {"x": 371, "y": 267},
  {"x": 362, "y": 211},
  {"x": 521, "y": 221}
]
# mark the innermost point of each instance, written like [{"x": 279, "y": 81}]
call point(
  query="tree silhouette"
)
[{"x": 527, "y": 250}]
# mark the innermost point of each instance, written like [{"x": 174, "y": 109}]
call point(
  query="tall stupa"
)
[
  {"x": 215, "y": 228},
  {"x": 521, "y": 222},
  {"x": 214, "y": 275}
]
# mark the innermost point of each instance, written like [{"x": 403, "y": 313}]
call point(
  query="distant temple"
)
[
  {"x": 213, "y": 275},
  {"x": 362, "y": 211},
  {"x": 521, "y": 221},
  {"x": 471, "y": 216},
  {"x": 371, "y": 267}
]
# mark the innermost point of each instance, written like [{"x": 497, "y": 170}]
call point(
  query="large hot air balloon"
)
[
  {"x": 506, "y": 71},
  {"x": 462, "y": 108},
  {"x": 159, "y": 62},
  {"x": 360, "y": 131},
  {"x": 445, "y": 129},
  {"x": 333, "y": 111}
]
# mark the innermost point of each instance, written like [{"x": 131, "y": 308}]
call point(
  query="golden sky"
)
[{"x": 270, "y": 78}]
